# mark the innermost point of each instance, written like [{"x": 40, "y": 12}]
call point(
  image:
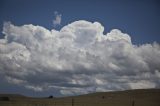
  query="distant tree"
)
[
  {"x": 4, "y": 98},
  {"x": 50, "y": 96},
  {"x": 103, "y": 97}
]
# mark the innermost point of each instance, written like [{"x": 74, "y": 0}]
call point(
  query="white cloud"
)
[
  {"x": 57, "y": 19},
  {"x": 14, "y": 80},
  {"x": 35, "y": 88},
  {"x": 142, "y": 84},
  {"x": 77, "y": 59}
]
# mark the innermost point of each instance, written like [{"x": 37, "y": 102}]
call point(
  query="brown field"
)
[{"x": 148, "y": 97}]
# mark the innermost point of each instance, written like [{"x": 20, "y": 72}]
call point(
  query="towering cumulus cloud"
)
[{"x": 77, "y": 59}]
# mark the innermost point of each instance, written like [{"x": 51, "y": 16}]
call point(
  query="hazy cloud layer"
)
[{"x": 77, "y": 59}]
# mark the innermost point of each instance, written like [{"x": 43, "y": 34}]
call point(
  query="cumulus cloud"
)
[
  {"x": 57, "y": 20},
  {"x": 78, "y": 59}
]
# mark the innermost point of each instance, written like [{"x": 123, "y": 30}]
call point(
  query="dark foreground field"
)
[{"x": 150, "y": 97}]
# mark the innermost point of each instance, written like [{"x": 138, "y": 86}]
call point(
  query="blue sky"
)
[
  {"x": 139, "y": 18},
  {"x": 36, "y": 61}
]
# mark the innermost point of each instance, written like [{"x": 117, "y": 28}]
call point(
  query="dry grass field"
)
[{"x": 148, "y": 97}]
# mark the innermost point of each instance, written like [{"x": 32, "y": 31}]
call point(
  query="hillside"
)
[{"x": 143, "y": 97}]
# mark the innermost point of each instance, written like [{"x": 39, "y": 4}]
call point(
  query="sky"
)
[
  {"x": 71, "y": 47},
  {"x": 139, "y": 18}
]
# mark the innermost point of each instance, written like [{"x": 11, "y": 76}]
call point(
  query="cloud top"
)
[{"x": 78, "y": 59}]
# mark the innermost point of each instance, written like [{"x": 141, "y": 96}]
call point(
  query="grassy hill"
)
[{"x": 143, "y": 97}]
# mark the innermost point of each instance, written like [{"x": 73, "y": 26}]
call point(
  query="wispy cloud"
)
[
  {"x": 57, "y": 19},
  {"x": 77, "y": 59}
]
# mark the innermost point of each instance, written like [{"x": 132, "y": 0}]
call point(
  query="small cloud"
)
[{"x": 57, "y": 19}]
